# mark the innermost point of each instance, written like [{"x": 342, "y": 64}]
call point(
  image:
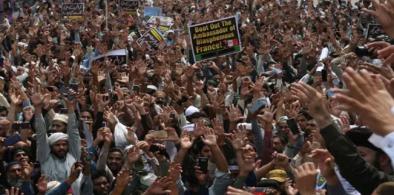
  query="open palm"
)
[
  {"x": 209, "y": 137},
  {"x": 384, "y": 13}
]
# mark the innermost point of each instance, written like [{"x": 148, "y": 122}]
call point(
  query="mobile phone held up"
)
[
  {"x": 202, "y": 162},
  {"x": 362, "y": 51}
]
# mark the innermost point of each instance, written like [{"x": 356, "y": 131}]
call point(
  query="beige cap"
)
[{"x": 61, "y": 117}]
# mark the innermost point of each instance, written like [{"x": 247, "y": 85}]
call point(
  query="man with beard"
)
[
  {"x": 16, "y": 178},
  {"x": 371, "y": 154},
  {"x": 278, "y": 144},
  {"x": 58, "y": 152},
  {"x": 355, "y": 157}
]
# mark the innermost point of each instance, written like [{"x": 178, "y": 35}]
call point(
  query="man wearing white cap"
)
[
  {"x": 58, "y": 152},
  {"x": 59, "y": 123}
]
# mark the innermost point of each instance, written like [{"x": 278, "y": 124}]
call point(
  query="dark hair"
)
[
  {"x": 306, "y": 115},
  {"x": 89, "y": 111},
  {"x": 115, "y": 150},
  {"x": 3, "y": 109},
  {"x": 98, "y": 174},
  {"x": 18, "y": 150},
  {"x": 9, "y": 165},
  {"x": 281, "y": 139}
]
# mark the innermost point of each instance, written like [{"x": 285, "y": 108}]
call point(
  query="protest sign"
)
[
  {"x": 152, "y": 11},
  {"x": 118, "y": 56},
  {"x": 152, "y": 38},
  {"x": 129, "y": 6},
  {"x": 118, "y": 52},
  {"x": 215, "y": 38},
  {"x": 164, "y": 23},
  {"x": 73, "y": 11}
]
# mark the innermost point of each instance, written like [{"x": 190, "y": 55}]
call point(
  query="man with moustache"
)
[{"x": 58, "y": 152}]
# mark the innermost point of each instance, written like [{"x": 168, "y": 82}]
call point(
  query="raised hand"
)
[
  {"x": 280, "y": 160},
  {"x": 238, "y": 138},
  {"x": 27, "y": 169},
  {"x": 325, "y": 162},
  {"x": 209, "y": 137},
  {"x": 315, "y": 102},
  {"x": 160, "y": 186},
  {"x": 234, "y": 114},
  {"x": 367, "y": 96},
  {"x": 101, "y": 101},
  {"x": 13, "y": 191},
  {"x": 384, "y": 14},
  {"x": 76, "y": 169},
  {"x": 47, "y": 102},
  {"x": 268, "y": 115},
  {"x": 134, "y": 110},
  {"x": 217, "y": 125},
  {"x": 199, "y": 128},
  {"x": 186, "y": 141},
  {"x": 42, "y": 185},
  {"x": 16, "y": 99},
  {"x": 378, "y": 45},
  {"x": 294, "y": 109},
  {"x": 305, "y": 178},
  {"x": 71, "y": 104},
  {"x": 259, "y": 84},
  {"x": 385, "y": 70},
  {"x": 133, "y": 155},
  {"x": 110, "y": 117},
  {"x": 107, "y": 136},
  {"x": 139, "y": 105},
  {"x": 99, "y": 138},
  {"x": 144, "y": 146},
  {"x": 387, "y": 54},
  {"x": 36, "y": 99},
  {"x": 175, "y": 172},
  {"x": 131, "y": 135},
  {"x": 123, "y": 179}
]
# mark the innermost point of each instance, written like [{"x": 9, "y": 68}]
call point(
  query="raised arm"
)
[
  {"x": 341, "y": 148},
  {"x": 105, "y": 136},
  {"x": 74, "y": 139},
  {"x": 258, "y": 138},
  {"x": 43, "y": 148},
  {"x": 186, "y": 144},
  {"x": 209, "y": 139}
]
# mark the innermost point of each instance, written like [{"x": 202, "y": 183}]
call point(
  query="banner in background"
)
[
  {"x": 118, "y": 52},
  {"x": 73, "y": 11},
  {"x": 165, "y": 22},
  {"x": 129, "y": 6},
  {"x": 153, "y": 38},
  {"x": 152, "y": 11},
  {"x": 215, "y": 38},
  {"x": 119, "y": 57}
]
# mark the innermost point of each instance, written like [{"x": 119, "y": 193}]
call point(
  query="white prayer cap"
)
[{"x": 55, "y": 137}]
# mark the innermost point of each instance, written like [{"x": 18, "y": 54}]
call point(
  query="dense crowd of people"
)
[{"x": 307, "y": 106}]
